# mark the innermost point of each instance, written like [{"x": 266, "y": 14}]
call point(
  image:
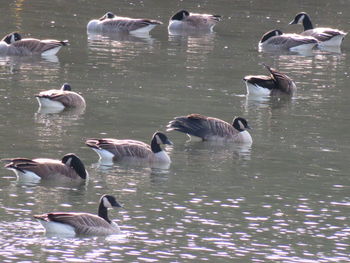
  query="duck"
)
[
  {"x": 327, "y": 36},
  {"x": 110, "y": 150},
  {"x": 60, "y": 98},
  {"x": 80, "y": 223},
  {"x": 276, "y": 40},
  {"x": 14, "y": 45},
  {"x": 110, "y": 23},
  {"x": 70, "y": 168},
  {"x": 212, "y": 129},
  {"x": 186, "y": 21},
  {"x": 277, "y": 83}
]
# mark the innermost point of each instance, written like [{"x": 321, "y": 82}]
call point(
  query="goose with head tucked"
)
[
  {"x": 110, "y": 23},
  {"x": 212, "y": 129},
  {"x": 275, "y": 40},
  {"x": 60, "y": 99},
  {"x": 79, "y": 223},
  {"x": 277, "y": 83},
  {"x": 186, "y": 21},
  {"x": 14, "y": 45},
  {"x": 327, "y": 36},
  {"x": 70, "y": 168},
  {"x": 111, "y": 150}
]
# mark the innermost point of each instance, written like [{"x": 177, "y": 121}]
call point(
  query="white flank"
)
[
  {"x": 106, "y": 157},
  {"x": 26, "y": 176},
  {"x": 51, "y": 52},
  {"x": 256, "y": 90},
  {"x": 47, "y": 103},
  {"x": 333, "y": 42},
  {"x": 303, "y": 47},
  {"x": 58, "y": 228},
  {"x": 143, "y": 30}
]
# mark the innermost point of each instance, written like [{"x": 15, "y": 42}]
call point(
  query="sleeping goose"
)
[
  {"x": 71, "y": 168},
  {"x": 14, "y": 45},
  {"x": 77, "y": 223},
  {"x": 211, "y": 129},
  {"x": 110, "y": 23},
  {"x": 276, "y": 40},
  {"x": 60, "y": 99},
  {"x": 327, "y": 36},
  {"x": 276, "y": 84},
  {"x": 184, "y": 20},
  {"x": 111, "y": 150}
]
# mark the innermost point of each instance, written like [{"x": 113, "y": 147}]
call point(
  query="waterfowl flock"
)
[{"x": 111, "y": 150}]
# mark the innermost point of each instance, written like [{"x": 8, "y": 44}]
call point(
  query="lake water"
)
[{"x": 284, "y": 199}]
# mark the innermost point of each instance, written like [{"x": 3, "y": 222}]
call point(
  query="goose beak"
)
[{"x": 168, "y": 142}]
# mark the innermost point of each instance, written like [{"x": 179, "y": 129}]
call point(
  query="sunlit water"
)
[{"x": 284, "y": 199}]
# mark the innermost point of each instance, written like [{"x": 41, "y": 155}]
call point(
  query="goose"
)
[
  {"x": 276, "y": 84},
  {"x": 184, "y": 20},
  {"x": 276, "y": 40},
  {"x": 70, "y": 168},
  {"x": 111, "y": 150},
  {"x": 14, "y": 45},
  {"x": 62, "y": 98},
  {"x": 212, "y": 129},
  {"x": 327, "y": 36},
  {"x": 110, "y": 23},
  {"x": 78, "y": 223}
]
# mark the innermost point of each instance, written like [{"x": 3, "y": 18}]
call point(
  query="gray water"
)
[{"x": 285, "y": 199}]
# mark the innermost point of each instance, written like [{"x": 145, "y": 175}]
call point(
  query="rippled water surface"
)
[{"x": 284, "y": 199}]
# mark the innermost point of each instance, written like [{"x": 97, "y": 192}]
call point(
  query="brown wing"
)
[
  {"x": 122, "y": 148},
  {"x": 202, "y": 126},
  {"x": 44, "y": 168},
  {"x": 36, "y": 45},
  {"x": 284, "y": 83},
  {"x": 67, "y": 98},
  {"x": 128, "y": 24},
  {"x": 83, "y": 223},
  {"x": 199, "y": 20},
  {"x": 322, "y": 34}
]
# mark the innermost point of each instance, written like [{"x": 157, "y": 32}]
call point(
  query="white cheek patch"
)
[
  {"x": 106, "y": 203},
  {"x": 241, "y": 126},
  {"x": 300, "y": 21},
  {"x": 69, "y": 161},
  {"x": 159, "y": 141}
]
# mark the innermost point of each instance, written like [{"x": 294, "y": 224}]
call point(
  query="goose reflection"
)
[
  {"x": 196, "y": 46},
  {"x": 119, "y": 37},
  {"x": 47, "y": 65},
  {"x": 55, "y": 124}
]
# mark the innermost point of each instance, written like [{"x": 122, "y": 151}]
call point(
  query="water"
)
[{"x": 285, "y": 199}]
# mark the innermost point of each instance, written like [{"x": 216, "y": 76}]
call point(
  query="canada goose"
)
[
  {"x": 74, "y": 223},
  {"x": 327, "y": 36},
  {"x": 211, "y": 129},
  {"x": 111, "y": 150},
  {"x": 276, "y": 40},
  {"x": 110, "y": 23},
  {"x": 70, "y": 168},
  {"x": 14, "y": 45},
  {"x": 62, "y": 98},
  {"x": 276, "y": 84},
  {"x": 184, "y": 20}
]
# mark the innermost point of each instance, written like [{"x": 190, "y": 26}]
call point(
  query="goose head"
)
[
  {"x": 12, "y": 37},
  {"x": 66, "y": 87},
  {"x": 181, "y": 15},
  {"x": 75, "y": 163},
  {"x": 299, "y": 18},
  {"x": 108, "y": 15},
  {"x": 109, "y": 201},
  {"x": 240, "y": 124},
  {"x": 270, "y": 34},
  {"x": 161, "y": 138}
]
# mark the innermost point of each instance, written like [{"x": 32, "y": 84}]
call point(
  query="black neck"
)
[
  {"x": 103, "y": 212},
  {"x": 307, "y": 23},
  {"x": 155, "y": 146}
]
